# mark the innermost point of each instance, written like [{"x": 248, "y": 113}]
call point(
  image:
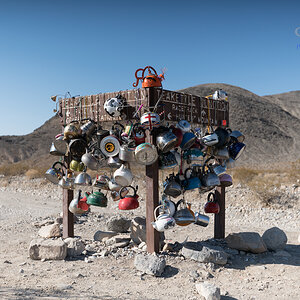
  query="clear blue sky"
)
[{"x": 49, "y": 47}]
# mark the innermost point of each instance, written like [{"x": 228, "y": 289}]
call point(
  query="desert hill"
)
[{"x": 271, "y": 125}]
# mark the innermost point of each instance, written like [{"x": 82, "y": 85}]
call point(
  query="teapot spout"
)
[{"x": 154, "y": 225}]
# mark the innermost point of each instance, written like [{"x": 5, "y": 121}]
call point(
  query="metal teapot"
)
[
  {"x": 73, "y": 206},
  {"x": 67, "y": 181},
  {"x": 192, "y": 182},
  {"x": 209, "y": 178},
  {"x": 54, "y": 174},
  {"x": 128, "y": 202},
  {"x": 72, "y": 130},
  {"x": 126, "y": 153},
  {"x": 184, "y": 216},
  {"x": 146, "y": 154},
  {"x": 172, "y": 186},
  {"x": 102, "y": 182},
  {"x": 187, "y": 141},
  {"x": 163, "y": 221},
  {"x": 114, "y": 162},
  {"x": 88, "y": 128},
  {"x": 83, "y": 179},
  {"x": 123, "y": 176},
  {"x": 166, "y": 141}
]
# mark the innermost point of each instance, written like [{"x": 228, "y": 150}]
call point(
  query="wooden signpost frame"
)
[{"x": 173, "y": 107}]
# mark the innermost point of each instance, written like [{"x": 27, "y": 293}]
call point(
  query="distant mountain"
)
[
  {"x": 271, "y": 125},
  {"x": 290, "y": 102}
]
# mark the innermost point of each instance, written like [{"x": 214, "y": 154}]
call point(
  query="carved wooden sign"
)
[{"x": 172, "y": 107}]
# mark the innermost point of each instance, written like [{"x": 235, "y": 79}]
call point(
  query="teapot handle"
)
[
  {"x": 185, "y": 172},
  {"x": 211, "y": 194},
  {"x": 135, "y": 84},
  {"x": 59, "y": 163},
  {"x": 129, "y": 186}
]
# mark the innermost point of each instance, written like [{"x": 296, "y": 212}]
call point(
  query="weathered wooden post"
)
[
  {"x": 152, "y": 191},
  {"x": 219, "y": 229}
]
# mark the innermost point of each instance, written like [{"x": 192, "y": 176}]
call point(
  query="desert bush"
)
[
  {"x": 32, "y": 173},
  {"x": 14, "y": 169}
]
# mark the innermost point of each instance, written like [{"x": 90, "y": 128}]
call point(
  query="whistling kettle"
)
[
  {"x": 97, "y": 199},
  {"x": 211, "y": 205},
  {"x": 209, "y": 178},
  {"x": 163, "y": 221},
  {"x": 83, "y": 179},
  {"x": 72, "y": 130},
  {"x": 150, "y": 80},
  {"x": 128, "y": 202},
  {"x": 146, "y": 154},
  {"x": 184, "y": 216},
  {"x": 172, "y": 187},
  {"x": 90, "y": 161},
  {"x": 73, "y": 206},
  {"x": 54, "y": 174},
  {"x": 123, "y": 176}
]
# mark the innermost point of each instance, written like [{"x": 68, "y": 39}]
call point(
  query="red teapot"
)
[
  {"x": 130, "y": 201},
  {"x": 212, "y": 206}
]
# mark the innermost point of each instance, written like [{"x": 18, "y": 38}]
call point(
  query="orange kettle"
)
[{"x": 150, "y": 80}]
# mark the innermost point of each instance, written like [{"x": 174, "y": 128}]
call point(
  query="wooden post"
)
[
  {"x": 219, "y": 229},
  {"x": 68, "y": 217},
  {"x": 152, "y": 193}
]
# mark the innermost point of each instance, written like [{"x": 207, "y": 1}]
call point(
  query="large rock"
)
[
  {"x": 149, "y": 264},
  {"x": 118, "y": 224},
  {"x": 196, "y": 251},
  {"x": 50, "y": 231},
  {"x": 246, "y": 241},
  {"x": 47, "y": 249},
  {"x": 275, "y": 239},
  {"x": 75, "y": 246},
  {"x": 100, "y": 235},
  {"x": 138, "y": 231},
  {"x": 208, "y": 290}
]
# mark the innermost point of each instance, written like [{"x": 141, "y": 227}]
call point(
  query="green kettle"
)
[{"x": 97, "y": 199}]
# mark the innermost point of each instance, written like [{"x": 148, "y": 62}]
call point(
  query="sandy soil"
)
[{"x": 249, "y": 276}]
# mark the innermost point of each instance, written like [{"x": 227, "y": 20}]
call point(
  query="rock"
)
[
  {"x": 275, "y": 239},
  {"x": 47, "y": 249},
  {"x": 198, "y": 252},
  {"x": 246, "y": 241},
  {"x": 118, "y": 239},
  {"x": 168, "y": 247},
  {"x": 100, "y": 235},
  {"x": 120, "y": 244},
  {"x": 138, "y": 231},
  {"x": 232, "y": 251},
  {"x": 282, "y": 253},
  {"x": 118, "y": 224},
  {"x": 74, "y": 246},
  {"x": 149, "y": 264},
  {"x": 59, "y": 220},
  {"x": 141, "y": 245},
  {"x": 208, "y": 290},
  {"x": 50, "y": 231}
]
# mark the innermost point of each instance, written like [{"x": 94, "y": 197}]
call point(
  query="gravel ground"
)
[{"x": 246, "y": 276}]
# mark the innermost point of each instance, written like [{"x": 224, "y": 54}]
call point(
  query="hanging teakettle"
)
[
  {"x": 67, "y": 181},
  {"x": 167, "y": 161},
  {"x": 76, "y": 166},
  {"x": 97, "y": 199},
  {"x": 146, "y": 154},
  {"x": 187, "y": 141},
  {"x": 73, "y": 206},
  {"x": 150, "y": 80},
  {"x": 54, "y": 174},
  {"x": 88, "y": 128},
  {"x": 212, "y": 205},
  {"x": 192, "y": 182},
  {"x": 184, "y": 216},
  {"x": 128, "y": 202},
  {"x": 163, "y": 221},
  {"x": 123, "y": 176},
  {"x": 72, "y": 130},
  {"x": 172, "y": 186},
  {"x": 83, "y": 179},
  {"x": 126, "y": 153},
  {"x": 101, "y": 182},
  {"x": 225, "y": 180},
  {"x": 150, "y": 120}
]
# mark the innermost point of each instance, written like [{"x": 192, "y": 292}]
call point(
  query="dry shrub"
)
[
  {"x": 32, "y": 173},
  {"x": 14, "y": 169}
]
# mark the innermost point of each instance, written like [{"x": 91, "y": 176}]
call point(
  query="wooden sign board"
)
[{"x": 172, "y": 106}]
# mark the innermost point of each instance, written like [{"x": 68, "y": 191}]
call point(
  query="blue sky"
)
[{"x": 50, "y": 47}]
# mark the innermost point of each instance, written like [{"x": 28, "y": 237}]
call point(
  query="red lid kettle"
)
[
  {"x": 128, "y": 202},
  {"x": 150, "y": 80}
]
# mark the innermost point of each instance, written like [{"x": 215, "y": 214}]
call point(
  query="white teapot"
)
[{"x": 163, "y": 221}]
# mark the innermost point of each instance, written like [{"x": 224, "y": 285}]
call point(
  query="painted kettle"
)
[
  {"x": 163, "y": 221},
  {"x": 212, "y": 206},
  {"x": 130, "y": 201},
  {"x": 97, "y": 199},
  {"x": 150, "y": 80},
  {"x": 73, "y": 206}
]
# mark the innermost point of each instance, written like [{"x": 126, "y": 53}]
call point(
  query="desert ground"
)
[{"x": 28, "y": 202}]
